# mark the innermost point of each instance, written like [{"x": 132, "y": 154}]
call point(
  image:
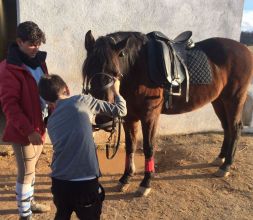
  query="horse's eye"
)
[{"x": 122, "y": 53}]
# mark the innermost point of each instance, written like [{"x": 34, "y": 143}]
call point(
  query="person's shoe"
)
[
  {"x": 39, "y": 208},
  {"x": 29, "y": 217}
]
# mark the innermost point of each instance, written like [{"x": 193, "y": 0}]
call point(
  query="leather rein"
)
[{"x": 111, "y": 126}]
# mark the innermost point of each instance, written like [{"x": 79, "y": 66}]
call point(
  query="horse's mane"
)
[
  {"x": 135, "y": 43},
  {"x": 102, "y": 52}
]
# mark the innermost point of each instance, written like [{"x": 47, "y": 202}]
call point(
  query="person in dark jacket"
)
[
  {"x": 24, "y": 110},
  {"x": 75, "y": 168}
]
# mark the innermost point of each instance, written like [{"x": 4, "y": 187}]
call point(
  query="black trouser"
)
[{"x": 85, "y": 198}]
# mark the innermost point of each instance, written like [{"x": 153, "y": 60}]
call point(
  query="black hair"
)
[
  {"x": 29, "y": 31},
  {"x": 50, "y": 87}
]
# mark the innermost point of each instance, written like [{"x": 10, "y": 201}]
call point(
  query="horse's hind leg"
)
[
  {"x": 220, "y": 111},
  {"x": 131, "y": 129},
  {"x": 233, "y": 110}
]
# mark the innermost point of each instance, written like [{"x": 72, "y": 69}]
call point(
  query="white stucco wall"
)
[{"x": 65, "y": 23}]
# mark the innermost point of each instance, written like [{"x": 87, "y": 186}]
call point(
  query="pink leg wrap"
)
[{"x": 150, "y": 165}]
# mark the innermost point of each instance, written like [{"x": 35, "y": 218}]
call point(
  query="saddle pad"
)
[{"x": 198, "y": 67}]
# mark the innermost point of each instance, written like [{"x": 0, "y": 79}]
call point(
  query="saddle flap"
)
[
  {"x": 171, "y": 63},
  {"x": 162, "y": 64},
  {"x": 155, "y": 65},
  {"x": 179, "y": 72}
]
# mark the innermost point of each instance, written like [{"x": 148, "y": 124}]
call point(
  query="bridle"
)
[
  {"x": 87, "y": 83},
  {"x": 112, "y": 126}
]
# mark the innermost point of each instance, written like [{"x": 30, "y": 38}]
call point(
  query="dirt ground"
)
[{"x": 184, "y": 186}]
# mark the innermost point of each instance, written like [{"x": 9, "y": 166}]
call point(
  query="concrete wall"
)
[
  {"x": 65, "y": 23},
  {"x": 247, "y": 118}
]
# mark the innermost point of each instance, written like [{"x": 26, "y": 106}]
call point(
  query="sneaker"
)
[
  {"x": 39, "y": 208},
  {"x": 29, "y": 217}
]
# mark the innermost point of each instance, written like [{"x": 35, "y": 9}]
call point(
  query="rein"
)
[
  {"x": 110, "y": 126},
  {"x": 115, "y": 147}
]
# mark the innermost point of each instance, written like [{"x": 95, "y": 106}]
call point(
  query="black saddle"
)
[
  {"x": 179, "y": 44},
  {"x": 168, "y": 58},
  {"x": 181, "y": 38}
]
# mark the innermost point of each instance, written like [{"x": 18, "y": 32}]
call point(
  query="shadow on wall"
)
[
  {"x": 8, "y": 24},
  {"x": 248, "y": 110},
  {"x": 2, "y": 125},
  {"x": 100, "y": 137}
]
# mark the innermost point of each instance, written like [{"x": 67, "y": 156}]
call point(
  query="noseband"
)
[
  {"x": 87, "y": 84},
  {"x": 110, "y": 126}
]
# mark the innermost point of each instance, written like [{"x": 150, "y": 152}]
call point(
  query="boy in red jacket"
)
[{"x": 24, "y": 110}]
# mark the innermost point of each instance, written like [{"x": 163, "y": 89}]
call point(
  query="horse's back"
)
[
  {"x": 222, "y": 50},
  {"x": 231, "y": 67}
]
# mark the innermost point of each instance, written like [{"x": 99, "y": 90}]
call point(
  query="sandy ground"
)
[{"x": 184, "y": 186}]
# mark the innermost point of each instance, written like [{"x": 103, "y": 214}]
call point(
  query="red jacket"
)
[{"x": 20, "y": 102}]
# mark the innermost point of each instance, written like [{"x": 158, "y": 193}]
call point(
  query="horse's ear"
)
[
  {"x": 89, "y": 41},
  {"x": 121, "y": 45}
]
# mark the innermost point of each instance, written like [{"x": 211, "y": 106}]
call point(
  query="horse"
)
[{"x": 124, "y": 55}]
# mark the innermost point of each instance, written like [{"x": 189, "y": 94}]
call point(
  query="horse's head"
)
[{"x": 102, "y": 65}]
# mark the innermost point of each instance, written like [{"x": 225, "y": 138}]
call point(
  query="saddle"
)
[{"x": 167, "y": 61}]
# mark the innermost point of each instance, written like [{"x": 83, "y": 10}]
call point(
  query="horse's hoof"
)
[
  {"x": 123, "y": 187},
  {"x": 143, "y": 191},
  {"x": 218, "y": 161},
  {"x": 221, "y": 173}
]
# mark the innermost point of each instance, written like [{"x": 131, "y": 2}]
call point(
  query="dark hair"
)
[
  {"x": 50, "y": 87},
  {"x": 29, "y": 31}
]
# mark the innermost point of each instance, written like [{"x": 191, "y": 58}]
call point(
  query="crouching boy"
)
[{"x": 75, "y": 168}]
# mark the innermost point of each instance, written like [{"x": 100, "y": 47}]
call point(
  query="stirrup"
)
[{"x": 176, "y": 93}]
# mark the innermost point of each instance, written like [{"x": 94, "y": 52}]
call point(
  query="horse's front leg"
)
[
  {"x": 131, "y": 130},
  {"x": 149, "y": 126}
]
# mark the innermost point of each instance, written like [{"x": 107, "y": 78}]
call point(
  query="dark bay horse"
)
[{"x": 124, "y": 55}]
